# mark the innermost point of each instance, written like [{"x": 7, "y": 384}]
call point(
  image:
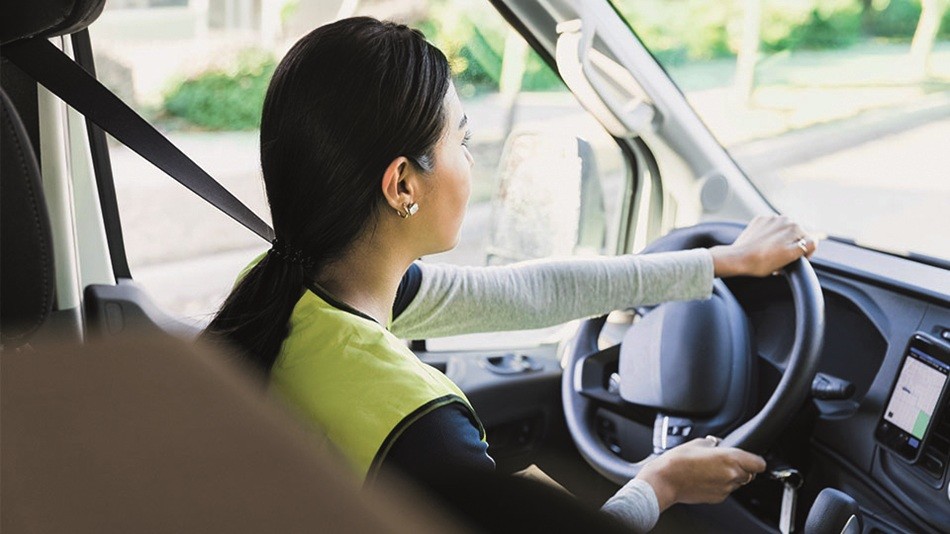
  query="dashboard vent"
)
[{"x": 937, "y": 452}]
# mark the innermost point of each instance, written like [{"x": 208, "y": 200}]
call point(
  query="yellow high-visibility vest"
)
[{"x": 355, "y": 380}]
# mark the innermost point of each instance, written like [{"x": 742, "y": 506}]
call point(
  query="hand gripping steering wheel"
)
[{"x": 692, "y": 362}]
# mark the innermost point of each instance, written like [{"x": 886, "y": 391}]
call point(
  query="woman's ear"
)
[{"x": 399, "y": 184}]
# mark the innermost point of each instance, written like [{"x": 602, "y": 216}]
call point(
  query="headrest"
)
[
  {"x": 26, "y": 264},
  {"x": 46, "y": 18}
]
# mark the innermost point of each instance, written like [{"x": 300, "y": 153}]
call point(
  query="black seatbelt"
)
[{"x": 62, "y": 76}]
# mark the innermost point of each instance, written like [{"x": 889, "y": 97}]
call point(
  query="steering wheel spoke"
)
[
  {"x": 597, "y": 378},
  {"x": 672, "y": 430}
]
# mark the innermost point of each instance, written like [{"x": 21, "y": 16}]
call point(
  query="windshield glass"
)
[{"x": 837, "y": 110}]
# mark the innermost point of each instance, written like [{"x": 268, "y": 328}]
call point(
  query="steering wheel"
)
[{"x": 692, "y": 363}]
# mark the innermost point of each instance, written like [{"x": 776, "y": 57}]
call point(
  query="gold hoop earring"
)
[{"x": 411, "y": 210}]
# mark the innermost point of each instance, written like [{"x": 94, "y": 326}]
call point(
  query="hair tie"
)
[{"x": 290, "y": 254}]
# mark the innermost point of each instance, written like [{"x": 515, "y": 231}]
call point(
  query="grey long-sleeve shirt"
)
[{"x": 454, "y": 300}]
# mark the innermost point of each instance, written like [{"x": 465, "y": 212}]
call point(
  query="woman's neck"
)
[{"x": 366, "y": 277}]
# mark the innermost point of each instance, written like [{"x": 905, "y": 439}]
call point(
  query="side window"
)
[{"x": 202, "y": 82}]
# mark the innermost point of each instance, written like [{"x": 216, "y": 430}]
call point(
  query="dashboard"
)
[{"x": 887, "y": 443}]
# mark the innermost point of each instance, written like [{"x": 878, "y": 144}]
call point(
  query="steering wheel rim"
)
[{"x": 762, "y": 429}]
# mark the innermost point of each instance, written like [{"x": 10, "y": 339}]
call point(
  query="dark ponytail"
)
[{"x": 345, "y": 101}]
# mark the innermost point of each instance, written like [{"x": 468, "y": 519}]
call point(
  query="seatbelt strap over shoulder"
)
[{"x": 63, "y": 77}]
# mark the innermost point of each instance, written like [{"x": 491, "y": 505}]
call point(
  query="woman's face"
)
[{"x": 450, "y": 182}]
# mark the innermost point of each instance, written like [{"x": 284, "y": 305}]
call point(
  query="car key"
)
[{"x": 791, "y": 481}]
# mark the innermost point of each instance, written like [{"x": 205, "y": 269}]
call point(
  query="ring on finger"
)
[
  {"x": 802, "y": 244},
  {"x": 714, "y": 439}
]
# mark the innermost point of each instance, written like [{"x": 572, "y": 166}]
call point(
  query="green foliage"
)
[
  {"x": 288, "y": 10},
  {"x": 677, "y": 32},
  {"x": 223, "y": 98},
  {"x": 895, "y": 19},
  {"x": 690, "y": 30},
  {"x": 710, "y": 44},
  {"x": 707, "y": 33},
  {"x": 821, "y": 30},
  {"x": 483, "y": 60},
  {"x": 538, "y": 76},
  {"x": 474, "y": 42}
]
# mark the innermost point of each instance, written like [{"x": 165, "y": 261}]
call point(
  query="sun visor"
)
[{"x": 46, "y": 18}]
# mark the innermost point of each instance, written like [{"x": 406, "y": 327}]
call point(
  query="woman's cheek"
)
[
  {"x": 468, "y": 187},
  {"x": 466, "y": 173}
]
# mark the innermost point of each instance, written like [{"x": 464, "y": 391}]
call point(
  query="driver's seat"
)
[
  {"x": 27, "y": 280},
  {"x": 147, "y": 432}
]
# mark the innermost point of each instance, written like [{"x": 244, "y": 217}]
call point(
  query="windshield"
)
[{"x": 837, "y": 110}]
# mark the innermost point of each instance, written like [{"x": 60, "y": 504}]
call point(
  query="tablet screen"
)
[{"x": 915, "y": 396}]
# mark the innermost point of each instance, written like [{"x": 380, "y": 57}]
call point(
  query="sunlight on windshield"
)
[{"x": 837, "y": 110}]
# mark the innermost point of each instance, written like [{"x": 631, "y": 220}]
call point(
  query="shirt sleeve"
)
[
  {"x": 443, "y": 440},
  {"x": 635, "y": 506},
  {"x": 446, "y": 441},
  {"x": 454, "y": 300}
]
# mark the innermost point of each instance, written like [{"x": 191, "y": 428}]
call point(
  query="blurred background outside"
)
[{"x": 838, "y": 110}]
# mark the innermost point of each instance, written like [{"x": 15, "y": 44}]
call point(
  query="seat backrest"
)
[
  {"x": 27, "y": 278},
  {"x": 27, "y": 282},
  {"x": 144, "y": 432}
]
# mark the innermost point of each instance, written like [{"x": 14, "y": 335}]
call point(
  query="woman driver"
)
[{"x": 365, "y": 163}]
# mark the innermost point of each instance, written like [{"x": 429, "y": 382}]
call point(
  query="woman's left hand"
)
[{"x": 766, "y": 245}]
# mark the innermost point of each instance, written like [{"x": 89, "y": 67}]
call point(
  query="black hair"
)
[{"x": 346, "y": 100}]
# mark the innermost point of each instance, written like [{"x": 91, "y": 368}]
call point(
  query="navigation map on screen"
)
[{"x": 916, "y": 394}]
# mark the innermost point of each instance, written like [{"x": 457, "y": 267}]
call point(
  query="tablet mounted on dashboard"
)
[{"x": 915, "y": 398}]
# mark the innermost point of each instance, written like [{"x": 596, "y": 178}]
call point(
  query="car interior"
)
[{"x": 115, "y": 418}]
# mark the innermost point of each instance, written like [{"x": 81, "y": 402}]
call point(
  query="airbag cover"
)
[{"x": 678, "y": 358}]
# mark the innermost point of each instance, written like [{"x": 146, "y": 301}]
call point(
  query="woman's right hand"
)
[
  {"x": 700, "y": 472},
  {"x": 767, "y": 244}
]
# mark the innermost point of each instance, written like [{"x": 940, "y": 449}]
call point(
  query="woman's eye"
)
[{"x": 467, "y": 138}]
